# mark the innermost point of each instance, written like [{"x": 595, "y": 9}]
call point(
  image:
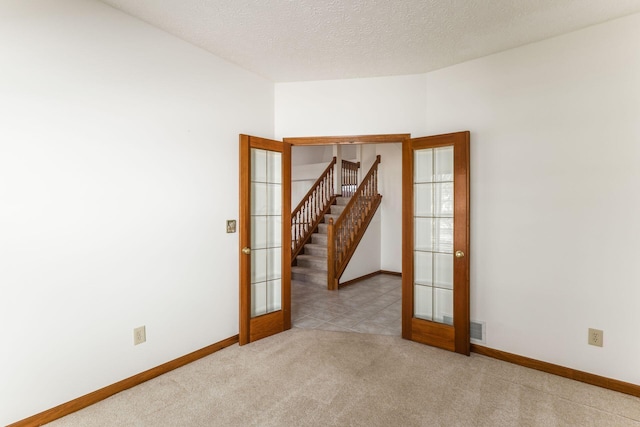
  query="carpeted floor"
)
[{"x": 308, "y": 377}]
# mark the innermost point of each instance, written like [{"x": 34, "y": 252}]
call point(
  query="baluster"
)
[
  {"x": 305, "y": 213},
  {"x": 298, "y": 231},
  {"x": 324, "y": 190},
  {"x": 294, "y": 232},
  {"x": 312, "y": 208},
  {"x": 331, "y": 256}
]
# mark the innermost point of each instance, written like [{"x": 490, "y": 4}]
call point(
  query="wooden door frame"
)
[
  {"x": 253, "y": 329},
  {"x": 345, "y": 140}
]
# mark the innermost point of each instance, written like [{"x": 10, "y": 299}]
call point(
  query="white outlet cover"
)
[
  {"x": 596, "y": 337},
  {"x": 139, "y": 335}
]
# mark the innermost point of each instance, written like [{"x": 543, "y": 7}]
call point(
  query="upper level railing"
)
[
  {"x": 349, "y": 178},
  {"x": 344, "y": 235},
  {"x": 311, "y": 209}
]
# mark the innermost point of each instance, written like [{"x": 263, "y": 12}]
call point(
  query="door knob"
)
[
  {"x": 459, "y": 254},
  {"x": 246, "y": 251}
]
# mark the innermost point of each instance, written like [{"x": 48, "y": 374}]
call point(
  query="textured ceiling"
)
[{"x": 294, "y": 40}]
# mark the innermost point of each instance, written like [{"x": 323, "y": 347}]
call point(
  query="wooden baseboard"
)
[
  {"x": 392, "y": 273},
  {"x": 550, "y": 368},
  {"x": 367, "y": 276},
  {"x": 98, "y": 395}
]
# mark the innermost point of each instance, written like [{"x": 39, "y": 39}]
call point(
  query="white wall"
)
[
  {"x": 366, "y": 258},
  {"x": 118, "y": 169},
  {"x": 390, "y": 186},
  {"x": 304, "y": 155},
  {"x": 555, "y": 148},
  {"x": 385, "y": 105},
  {"x": 351, "y": 107}
]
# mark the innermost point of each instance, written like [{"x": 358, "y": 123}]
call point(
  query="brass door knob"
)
[
  {"x": 459, "y": 254},
  {"x": 246, "y": 251}
]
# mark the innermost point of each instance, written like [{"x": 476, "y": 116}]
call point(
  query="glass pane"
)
[
  {"x": 423, "y": 269},
  {"x": 274, "y": 199},
  {"x": 274, "y": 167},
  {"x": 433, "y": 234},
  {"x": 423, "y": 302},
  {"x": 258, "y": 265},
  {"x": 423, "y": 165},
  {"x": 443, "y": 199},
  {"x": 423, "y": 199},
  {"x": 258, "y": 232},
  {"x": 442, "y": 235},
  {"x": 266, "y": 231},
  {"x": 274, "y": 298},
  {"x": 443, "y": 306},
  {"x": 423, "y": 228},
  {"x": 443, "y": 164},
  {"x": 258, "y": 165},
  {"x": 443, "y": 270},
  {"x": 274, "y": 264},
  {"x": 258, "y": 199},
  {"x": 274, "y": 231},
  {"x": 258, "y": 299}
]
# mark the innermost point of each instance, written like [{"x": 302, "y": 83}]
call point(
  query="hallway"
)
[{"x": 372, "y": 306}]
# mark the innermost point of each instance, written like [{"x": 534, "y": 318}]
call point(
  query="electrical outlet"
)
[
  {"x": 596, "y": 337},
  {"x": 139, "y": 335}
]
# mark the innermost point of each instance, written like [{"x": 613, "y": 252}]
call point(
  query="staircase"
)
[
  {"x": 312, "y": 261},
  {"x": 327, "y": 229}
]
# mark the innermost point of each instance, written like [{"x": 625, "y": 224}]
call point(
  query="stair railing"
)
[
  {"x": 344, "y": 235},
  {"x": 349, "y": 178},
  {"x": 311, "y": 209}
]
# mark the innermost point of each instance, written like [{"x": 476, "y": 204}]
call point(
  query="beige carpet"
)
[{"x": 322, "y": 378}]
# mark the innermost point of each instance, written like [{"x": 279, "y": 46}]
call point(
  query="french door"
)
[
  {"x": 265, "y": 238},
  {"x": 435, "y": 247}
]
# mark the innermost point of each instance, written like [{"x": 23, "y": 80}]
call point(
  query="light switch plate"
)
[{"x": 231, "y": 226}]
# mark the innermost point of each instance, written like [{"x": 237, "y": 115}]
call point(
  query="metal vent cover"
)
[{"x": 476, "y": 329}]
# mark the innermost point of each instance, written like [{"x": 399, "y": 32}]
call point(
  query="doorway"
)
[{"x": 412, "y": 327}]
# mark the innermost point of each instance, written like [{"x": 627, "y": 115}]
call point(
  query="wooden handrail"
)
[
  {"x": 349, "y": 178},
  {"x": 311, "y": 209},
  {"x": 344, "y": 235}
]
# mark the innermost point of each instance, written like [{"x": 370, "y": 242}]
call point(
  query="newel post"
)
[{"x": 331, "y": 256}]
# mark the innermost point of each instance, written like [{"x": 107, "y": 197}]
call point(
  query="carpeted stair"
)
[{"x": 312, "y": 261}]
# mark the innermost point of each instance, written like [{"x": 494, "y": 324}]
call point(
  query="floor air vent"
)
[{"x": 476, "y": 329}]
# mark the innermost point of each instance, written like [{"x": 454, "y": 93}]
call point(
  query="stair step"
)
[
  {"x": 337, "y": 209},
  {"x": 343, "y": 200},
  {"x": 319, "y": 239},
  {"x": 309, "y": 275},
  {"x": 312, "y": 261},
  {"x": 317, "y": 250},
  {"x": 322, "y": 228}
]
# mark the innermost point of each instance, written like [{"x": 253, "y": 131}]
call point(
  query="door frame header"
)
[{"x": 353, "y": 139}]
